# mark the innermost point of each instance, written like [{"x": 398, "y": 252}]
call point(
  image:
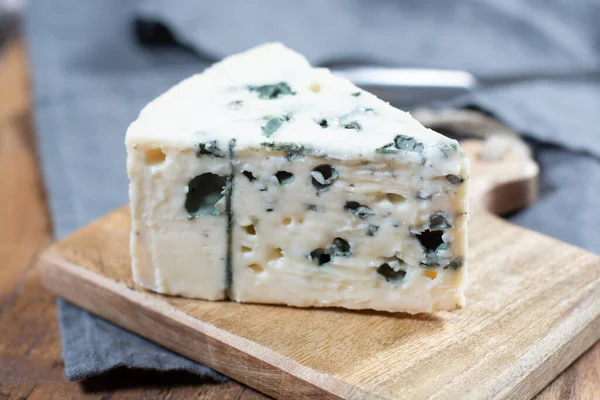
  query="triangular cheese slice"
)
[{"x": 266, "y": 180}]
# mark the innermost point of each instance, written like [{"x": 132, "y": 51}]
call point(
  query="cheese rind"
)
[{"x": 328, "y": 196}]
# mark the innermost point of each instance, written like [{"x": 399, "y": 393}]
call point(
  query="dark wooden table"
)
[{"x": 31, "y": 366}]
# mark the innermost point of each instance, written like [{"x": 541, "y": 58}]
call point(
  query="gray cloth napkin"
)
[
  {"x": 92, "y": 346},
  {"x": 95, "y": 64}
]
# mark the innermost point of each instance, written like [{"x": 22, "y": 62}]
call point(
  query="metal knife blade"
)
[{"x": 410, "y": 87}]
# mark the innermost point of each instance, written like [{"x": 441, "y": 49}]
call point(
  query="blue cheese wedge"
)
[{"x": 266, "y": 180}]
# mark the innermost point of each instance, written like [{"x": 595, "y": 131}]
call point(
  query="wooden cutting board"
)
[{"x": 533, "y": 306}]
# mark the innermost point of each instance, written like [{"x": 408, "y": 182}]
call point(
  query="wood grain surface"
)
[
  {"x": 533, "y": 307},
  {"x": 30, "y": 361}
]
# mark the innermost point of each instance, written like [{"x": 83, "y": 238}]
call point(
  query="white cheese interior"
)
[
  {"x": 286, "y": 123},
  {"x": 171, "y": 253},
  {"x": 277, "y": 225}
]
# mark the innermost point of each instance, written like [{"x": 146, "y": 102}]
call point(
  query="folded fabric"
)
[
  {"x": 95, "y": 64},
  {"x": 92, "y": 346},
  {"x": 486, "y": 37}
]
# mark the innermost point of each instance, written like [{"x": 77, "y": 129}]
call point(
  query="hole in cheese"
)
[
  {"x": 204, "y": 195},
  {"x": 323, "y": 176},
  {"x": 246, "y": 249},
  {"x": 286, "y": 221},
  {"x": 430, "y": 240},
  {"x": 250, "y": 229},
  {"x": 274, "y": 254},
  {"x": 256, "y": 267},
  {"x": 284, "y": 177},
  {"x": 394, "y": 198},
  {"x": 155, "y": 156},
  {"x": 430, "y": 274}
]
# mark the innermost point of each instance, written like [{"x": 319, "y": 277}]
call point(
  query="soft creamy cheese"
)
[
  {"x": 177, "y": 246},
  {"x": 266, "y": 180}
]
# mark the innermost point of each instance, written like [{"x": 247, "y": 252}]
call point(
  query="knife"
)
[{"x": 410, "y": 87}]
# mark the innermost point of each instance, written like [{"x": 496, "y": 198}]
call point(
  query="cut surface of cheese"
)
[{"x": 266, "y": 180}]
